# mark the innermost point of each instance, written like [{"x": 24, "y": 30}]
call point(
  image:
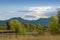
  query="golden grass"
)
[{"x": 28, "y": 37}]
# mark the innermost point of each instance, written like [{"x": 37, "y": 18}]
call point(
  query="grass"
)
[{"x": 28, "y": 37}]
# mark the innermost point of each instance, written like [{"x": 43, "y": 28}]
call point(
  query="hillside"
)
[{"x": 42, "y": 21}]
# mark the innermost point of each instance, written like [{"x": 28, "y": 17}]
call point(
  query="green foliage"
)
[
  {"x": 8, "y": 26},
  {"x": 16, "y": 26},
  {"x": 58, "y": 15},
  {"x": 26, "y": 27},
  {"x": 39, "y": 29},
  {"x": 3, "y": 26},
  {"x": 53, "y": 26},
  {"x": 33, "y": 28}
]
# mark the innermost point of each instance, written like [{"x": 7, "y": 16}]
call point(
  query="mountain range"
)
[{"x": 42, "y": 21}]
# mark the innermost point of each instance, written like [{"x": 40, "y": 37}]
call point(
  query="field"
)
[{"x": 7, "y": 36}]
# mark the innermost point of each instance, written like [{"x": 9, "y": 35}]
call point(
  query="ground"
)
[{"x": 28, "y": 37}]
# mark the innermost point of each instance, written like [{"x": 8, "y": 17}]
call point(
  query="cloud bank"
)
[
  {"x": 40, "y": 12},
  {"x": 32, "y": 13}
]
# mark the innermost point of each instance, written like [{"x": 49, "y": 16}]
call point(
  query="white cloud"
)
[
  {"x": 39, "y": 12},
  {"x": 31, "y": 13},
  {"x": 59, "y": 7}
]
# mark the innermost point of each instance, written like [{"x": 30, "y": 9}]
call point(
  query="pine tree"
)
[
  {"x": 53, "y": 25},
  {"x": 58, "y": 15}
]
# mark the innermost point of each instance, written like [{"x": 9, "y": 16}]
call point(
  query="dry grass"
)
[{"x": 28, "y": 37}]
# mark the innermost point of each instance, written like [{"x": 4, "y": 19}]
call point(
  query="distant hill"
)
[
  {"x": 42, "y": 21},
  {"x": 2, "y": 21}
]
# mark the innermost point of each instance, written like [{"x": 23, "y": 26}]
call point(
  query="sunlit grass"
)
[{"x": 28, "y": 37}]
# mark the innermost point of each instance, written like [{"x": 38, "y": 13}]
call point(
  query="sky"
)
[{"x": 28, "y": 9}]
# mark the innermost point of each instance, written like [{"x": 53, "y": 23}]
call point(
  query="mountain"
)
[
  {"x": 42, "y": 21},
  {"x": 2, "y": 21}
]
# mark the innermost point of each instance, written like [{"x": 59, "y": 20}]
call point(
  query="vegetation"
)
[{"x": 53, "y": 25}]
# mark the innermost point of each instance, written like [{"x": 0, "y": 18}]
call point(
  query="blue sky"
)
[{"x": 28, "y": 9}]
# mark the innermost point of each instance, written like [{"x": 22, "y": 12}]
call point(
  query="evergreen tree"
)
[
  {"x": 39, "y": 28},
  {"x": 26, "y": 26},
  {"x": 8, "y": 26},
  {"x": 58, "y": 15},
  {"x": 53, "y": 25}
]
